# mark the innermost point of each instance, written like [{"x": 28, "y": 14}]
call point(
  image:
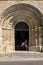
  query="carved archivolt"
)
[{"x": 17, "y": 13}]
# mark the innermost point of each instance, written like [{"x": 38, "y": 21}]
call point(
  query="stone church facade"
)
[{"x": 14, "y": 12}]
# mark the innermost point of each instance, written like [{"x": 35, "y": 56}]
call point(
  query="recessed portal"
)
[{"x": 21, "y": 36}]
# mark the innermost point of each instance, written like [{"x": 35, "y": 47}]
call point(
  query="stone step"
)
[{"x": 22, "y": 54}]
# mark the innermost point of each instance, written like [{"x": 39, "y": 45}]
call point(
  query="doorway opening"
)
[{"x": 21, "y": 36}]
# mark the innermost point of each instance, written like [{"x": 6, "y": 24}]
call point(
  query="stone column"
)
[
  {"x": 40, "y": 45},
  {"x": 0, "y": 39},
  {"x": 33, "y": 37},
  {"x": 30, "y": 38},
  {"x": 38, "y": 38},
  {"x": 42, "y": 37},
  {"x": 13, "y": 38},
  {"x": 33, "y": 40},
  {"x": 10, "y": 40},
  {"x": 4, "y": 38}
]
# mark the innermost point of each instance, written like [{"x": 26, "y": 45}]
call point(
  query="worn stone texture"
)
[
  {"x": 21, "y": 0},
  {"x": 8, "y": 34},
  {"x": 5, "y": 4}
]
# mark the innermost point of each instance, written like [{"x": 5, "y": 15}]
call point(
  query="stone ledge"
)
[
  {"x": 22, "y": 54},
  {"x": 20, "y": 59}
]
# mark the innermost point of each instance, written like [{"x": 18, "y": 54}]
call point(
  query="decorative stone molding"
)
[{"x": 15, "y": 14}]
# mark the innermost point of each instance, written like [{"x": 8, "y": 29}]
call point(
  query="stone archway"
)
[{"x": 28, "y": 14}]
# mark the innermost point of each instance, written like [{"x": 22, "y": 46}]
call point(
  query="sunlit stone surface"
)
[{"x": 11, "y": 14}]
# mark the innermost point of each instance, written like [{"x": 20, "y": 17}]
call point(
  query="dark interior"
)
[{"x": 21, "y": 35}]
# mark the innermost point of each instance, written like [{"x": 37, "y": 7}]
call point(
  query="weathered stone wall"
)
[
  {"x": 5, "y": 4},
  {"x": 7, "y": 39}
]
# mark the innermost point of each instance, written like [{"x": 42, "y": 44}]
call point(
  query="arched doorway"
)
[
  {"x": 21, "y": 36},
  {"x": 17, "y": 13}
]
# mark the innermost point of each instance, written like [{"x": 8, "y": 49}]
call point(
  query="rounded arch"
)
[
  {"x": 23, "y": 12},
  {"x": 20, "y": 7},
  {"x": 21, "y": 26}
]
